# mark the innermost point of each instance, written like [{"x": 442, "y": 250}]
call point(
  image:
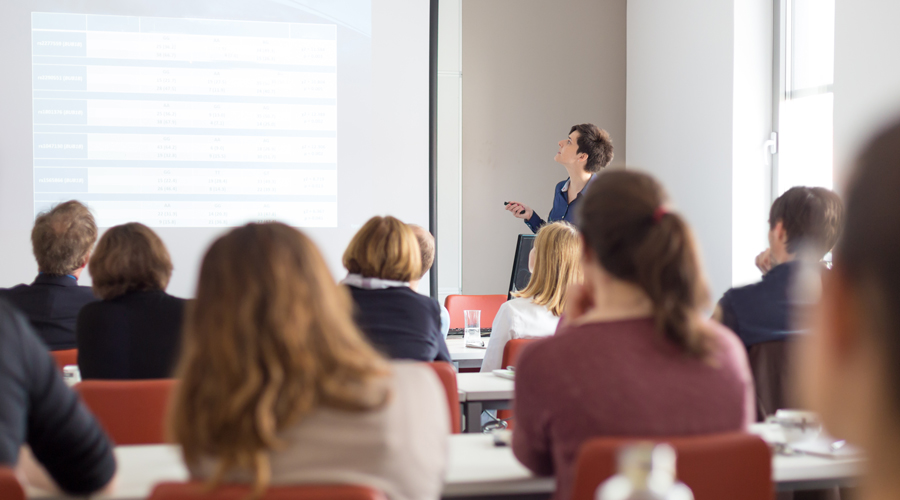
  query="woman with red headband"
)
[{"x": 634, "y": 354}]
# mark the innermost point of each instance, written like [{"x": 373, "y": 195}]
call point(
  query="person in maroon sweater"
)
[{"x": 633, "y": 355}]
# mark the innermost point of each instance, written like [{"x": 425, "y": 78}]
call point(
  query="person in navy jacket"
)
[
  {"x": 61, "y": 240},
  {"x": 585, "y": 151}
]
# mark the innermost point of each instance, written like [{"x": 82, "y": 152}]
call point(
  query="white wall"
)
[
  {"x": 866, "y": 75},
  {"x": 532, "y": 69},
  {"x": 680, "y": 110}
]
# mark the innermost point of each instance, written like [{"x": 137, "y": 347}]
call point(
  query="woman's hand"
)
[{"x": 519, "y": 210}]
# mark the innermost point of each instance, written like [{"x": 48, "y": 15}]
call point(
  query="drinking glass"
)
[{"x": 473, "y": 326}]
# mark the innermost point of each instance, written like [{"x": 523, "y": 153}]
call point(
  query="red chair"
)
[
  {"x": 131, "y": 411},
  {"x": 65, "y": 358},
  {"x": 736, "y": 466},
  {"x": 198, "y": 491},
  {"x": 10, "y": 489},
  {"x": 487, "y": 304},
  {"x": 511, "y": 352},
  {"x": 447, "y": 374}
]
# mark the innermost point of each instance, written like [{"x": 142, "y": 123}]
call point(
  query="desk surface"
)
[
  {"x": 484, "y": 387},
  {"x": 475, "y": 467},
  {"x": 459, "y": 351}
]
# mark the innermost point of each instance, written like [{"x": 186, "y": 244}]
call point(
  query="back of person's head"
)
[
  {"x": 129, "y": 258},
  {"x": 811, "y": 217},
  {"x": 426, "y": 247},
  {"x": 62, "y": 238},
  {"x": 834, "y": 216},
  {"x": 557, "y": 264},
  {"x": 596, "y": 143},
  {"x": 268, "y": 339},
  {"x": 634, "y": 238},
  {"x": 384, "y": 248}
]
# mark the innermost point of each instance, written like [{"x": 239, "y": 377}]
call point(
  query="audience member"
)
[
  {"x": 802, "y": 219},
  {"x": 850, "y": 363},
  {"x": 61, "y": 241},
  {"x": 534, "y": 313},
  {"x": 426, "y": 246},
  {"x": 37, "y": 409},
  {"x": 135, "y": 331},
  {"x": 278, "y": 386},
  {"x": 382, "y": 259},
  {"x": 633, "y": 355}
]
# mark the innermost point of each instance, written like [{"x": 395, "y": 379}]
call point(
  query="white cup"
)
[{"x": 71, "y": 375}]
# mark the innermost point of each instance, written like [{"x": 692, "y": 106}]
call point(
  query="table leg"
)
[{"x": 473, "y": 416}]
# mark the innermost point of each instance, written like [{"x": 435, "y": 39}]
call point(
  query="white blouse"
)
[{"x": 519, "y": 318}]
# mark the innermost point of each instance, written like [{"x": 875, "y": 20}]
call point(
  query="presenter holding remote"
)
[{"x": 584, "y": 152}]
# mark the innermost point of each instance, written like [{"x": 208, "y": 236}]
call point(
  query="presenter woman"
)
[{"x": 584, "y": 152}]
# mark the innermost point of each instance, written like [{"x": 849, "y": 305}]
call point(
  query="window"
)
[{"x": 804, "y": 101}]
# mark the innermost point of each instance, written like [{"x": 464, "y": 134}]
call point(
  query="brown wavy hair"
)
[
  {"x": 129, "y": 258},
  {"x": 557, "y": 265},
  {"x": 268, "y": 339},
  {"x": 636, "y": 239}
]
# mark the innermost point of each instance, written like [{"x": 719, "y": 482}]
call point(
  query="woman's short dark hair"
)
[
  {"x": 867, "y": 253},
  {"x": 636, "y": 239},
  {"x": 594, "y": 142},
  {"x": 129, "y": 258},
  {"x": 811, "y": 217}
]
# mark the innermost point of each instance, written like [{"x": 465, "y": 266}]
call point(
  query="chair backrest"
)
[
  {"x": 65, "y": 358},
  {"x": 487, "y": 304},
  {"x": 198, "y": 491},
  {"x": 131, "y": 411},
  {"x": 770, "y": 363},
  {"x": 512, "y": 349},
  {"x": 736, "y": 466},
  {"x": 447, "y": 374},
  {"x": 10, "y": 489}
]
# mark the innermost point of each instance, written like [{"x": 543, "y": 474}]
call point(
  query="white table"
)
[
  {"x": 483, "y": 391},
  {"x": 476, "y": 468},
  {"x": 465, "y": 357}
]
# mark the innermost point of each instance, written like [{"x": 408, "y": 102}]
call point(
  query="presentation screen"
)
[{"x": 196, "y": 116}]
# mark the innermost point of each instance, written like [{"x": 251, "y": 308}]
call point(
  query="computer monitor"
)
[{"x": 520, "y": 273}]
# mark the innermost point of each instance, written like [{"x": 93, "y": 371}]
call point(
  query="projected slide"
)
[{"x": 186, "y": 122}]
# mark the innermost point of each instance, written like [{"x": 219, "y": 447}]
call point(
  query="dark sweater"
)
[
  {"x": 762, "y": 312},
  {"x": 133, "y": 336},
  {"x": 620, "y": 378},
  {"x": 36, "y": 408},
  {"x": 51, "y": 303},
  {"x": 401, "y": 323}
]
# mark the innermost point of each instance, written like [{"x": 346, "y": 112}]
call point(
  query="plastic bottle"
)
[{"x": 646, "y": 472}]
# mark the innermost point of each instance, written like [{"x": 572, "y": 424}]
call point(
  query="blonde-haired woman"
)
[
  {"x": 278, "y": 386},
  {"x": 534, "y": 313},
  {"x": 382, "y": 259}
]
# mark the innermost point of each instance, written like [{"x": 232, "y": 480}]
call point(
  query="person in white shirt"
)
[{"x": 554, "y": 263}]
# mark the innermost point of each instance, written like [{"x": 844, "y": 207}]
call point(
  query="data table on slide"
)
[{"x": 186, "y": 122}]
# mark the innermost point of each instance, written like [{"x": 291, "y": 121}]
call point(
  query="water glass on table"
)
[{"x": 473, "y": 328}]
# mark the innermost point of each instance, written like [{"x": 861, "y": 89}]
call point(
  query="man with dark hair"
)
[
  {"x": 61, "y": 241},
  {"x": 586, "y": 151},
  {"x": 802, "y": 220},
  {"x": 804, "y": 224}
]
